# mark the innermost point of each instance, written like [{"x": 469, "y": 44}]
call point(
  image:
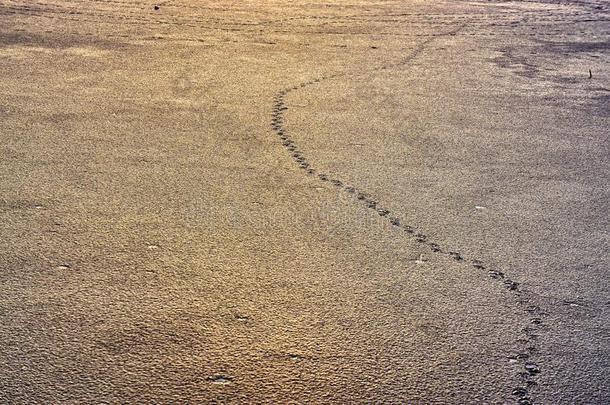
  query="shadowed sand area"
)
[{"x": 332, "y": 202}]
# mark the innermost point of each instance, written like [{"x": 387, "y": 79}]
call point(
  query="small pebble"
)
[{"x": 421, "y": 259}]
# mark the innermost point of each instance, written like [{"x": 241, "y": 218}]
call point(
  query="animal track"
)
[
  {"x": 220, "y": 379},
  {"x": 183, "y": 18},
  {"x": 529, "y": 368}
]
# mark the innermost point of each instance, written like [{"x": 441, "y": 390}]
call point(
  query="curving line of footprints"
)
[{"x": 530, "y": 333}]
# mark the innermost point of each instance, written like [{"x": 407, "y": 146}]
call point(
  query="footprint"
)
[
  {"x": 408, "y": 229},
  {"x": 242, "y": 318},
  {"x": 532, "y": 368},
  {"x": 477, "y": 264},
  {"x": 295, "y": 357},
  {"x": 434, "y": 247},
  {"x": 574, "y": 303},
  {"x": 220, "y": 379},
  {"x": 496, "y": 274},
  {"x": 456, "y": 256}
]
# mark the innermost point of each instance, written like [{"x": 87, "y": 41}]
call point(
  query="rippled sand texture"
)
[{"x": 286, "y": 202}]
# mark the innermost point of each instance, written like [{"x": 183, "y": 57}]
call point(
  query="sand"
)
[{"x": 332, "y": 202}]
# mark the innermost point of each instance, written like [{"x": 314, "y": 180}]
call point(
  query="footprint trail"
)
[{"x": 529, "y": 368}]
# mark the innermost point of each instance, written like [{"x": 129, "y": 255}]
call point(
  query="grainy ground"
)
[{"x": 347, "y": 202}]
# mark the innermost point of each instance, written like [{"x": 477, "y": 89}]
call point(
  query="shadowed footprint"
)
[{"x": 220, "y": 379}]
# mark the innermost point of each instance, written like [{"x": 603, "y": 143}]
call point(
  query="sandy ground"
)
[{"x": 331, "y": 202}]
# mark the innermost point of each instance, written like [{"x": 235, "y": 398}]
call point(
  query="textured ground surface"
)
[{"x": 350, "y": 202}]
